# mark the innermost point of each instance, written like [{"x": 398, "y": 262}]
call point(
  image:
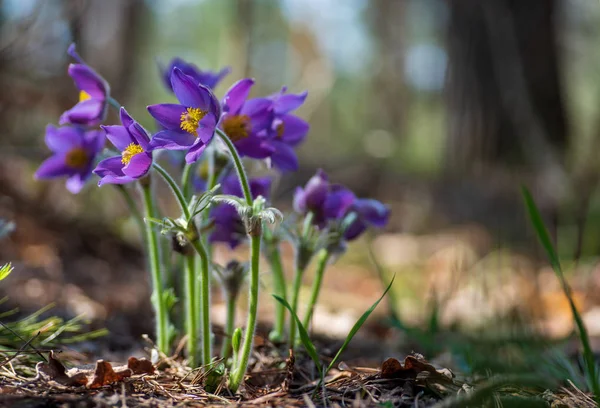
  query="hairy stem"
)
[
  {"x": 205, "y": 301},
  {"x": 229, "y": 326},
  {"x": 175, "y": 189},
  {"x": 322, "y": 259},
  {"x": 190, "y": 311},
  {"x": 162, "y": 337},
  {"x": 298, "y": 273},
  {"x": 279, "y": 287}
]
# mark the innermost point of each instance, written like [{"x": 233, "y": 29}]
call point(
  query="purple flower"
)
[
  {"x": 207, "y": 78},
  {"x": 243, "y": 120},
  {"x": 93, "y": 95},
  {"x": 324, "y": 200},
  {"x": 367, "y": 212},
  {"x": 228, "y": 226},
  {"x": 286, "y": 131},
  {"x": 189, "y": 125},
  {"x": 74, "y": 152},
  {"x": 135, "y": 160}
]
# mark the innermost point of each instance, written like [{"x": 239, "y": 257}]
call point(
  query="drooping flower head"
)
[
  {"x": 189, "y": 125},
  {"x": 74, "y": 153},
  {"x": 132, "y": 140},
  {"x": 366, "y": 212},
  {"x": 324, "y": 200},
  {"x": 244, "y": 119},
  {"x": 228, "y": 226},
  {"x": 93, "y": 94},
  {"x": 209, "y": 79},
  {"x": 286, "y": 131}
]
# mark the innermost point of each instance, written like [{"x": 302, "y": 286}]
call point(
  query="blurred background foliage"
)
[{"x": 440, "y": 108}]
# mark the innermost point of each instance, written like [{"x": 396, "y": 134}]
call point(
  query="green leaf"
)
[
  {"x": 540, "y": 228},
  {"x": 357, "y": 326},
  {"x": 5, "y": 271},
  {"x": 308, "y": 344}
]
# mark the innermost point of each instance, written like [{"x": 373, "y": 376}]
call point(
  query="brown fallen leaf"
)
[
  {"x": 140, "y": 366},
  {"x": 413, "y": 366},
  {"x": 104, "y": 374},
  {"x": 53, "y": 370}
]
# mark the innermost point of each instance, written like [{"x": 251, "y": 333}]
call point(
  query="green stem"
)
[
  {"x": 238, "y": 166},
  {"x": 229, "y": 326},
  {"x": 162, "y": 337},
  {"x": 205, "y": 299},
  {"x": 186, "y": 179},
  {"x": 238, "y": 373},
  {"x": 279, "y": 287},
  {"x": 175, "y": 189},
  {"x": 190, "y": 312},
  {"x": 322, "y": 259},
  {"x": 131, "y": 205},
  {"x": 298, "y": 273},
  {"x": 114, "y": 103}
]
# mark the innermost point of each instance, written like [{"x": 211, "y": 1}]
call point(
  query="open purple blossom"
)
[
  {"x": 132, "y": 140},
  {"x": 286, "y": 131},
  {"x": 93, "y": 94},
  {"x": 189, "y": 125},
  {"x": 228, "y": 226},
  {"x": 209, "y": 79},
  {"x": 324, "y": 200},
  {"x": 367, "y": 212},
  {"x": 244, "y": 119},
  {"x": 74, "y": 153}
]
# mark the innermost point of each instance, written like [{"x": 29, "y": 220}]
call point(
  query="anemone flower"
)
[
  {"x": 189, "y": 125},
  {"x": 132, "y": 140},
  {"x": 93, "y": 95},
  {"x": 244, "y": 119},
  {"x": 74, "y": 153},
  {"x": 324, "y": 200},
  {"x": 209, "y": 79},
  {"x": 286, "y": 131},
  {"x": 228, "y": 226},
  {"x": 367, "y": 212}
]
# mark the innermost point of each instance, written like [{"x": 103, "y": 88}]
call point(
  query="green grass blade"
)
[
  {"x": 544, "y": 237},
  {"x": 308, "y": 344},
  {"x": 357, "y": 326},
  {"x": 5, "y": 271}
]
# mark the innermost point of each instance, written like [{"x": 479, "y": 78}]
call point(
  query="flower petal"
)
[
  {"x": 254, "y": 147},
  {"x": 195, "y": 151},
  {"x": 139, "y": 135},
  {"x": 372, "y": 211},
  {"x": 138, "y": 166},
  {"x": 284, "y": 157},
  {"x": 111, "y": 179},
  {"x": 338, "y": 201},
  {"x": 206, "y": 128},
  {"x": 86, "y": 79},
  {"x": 284, "y": 103},
  {"x": 294, "y": 129},
  {"x": 111, "y": 166},
  {"x": 167, "y": 114},
  {"x": 89, "y": 113},
  {"x": 75, "y": 183},
  {"x": 63, "y": 139},
  {"x": 172, "y": 140},
  {"x": 260, "y": 186},
  {"x": 52, "y": 167},
  {"x": 300, "y": 200},
  {"x": 189, "y": 92},
  {"x": 94, "y": 141},
  {"x": 118, "y": 136},
  {"x": 126, "y": 119},
  {"x": 237, "y": 95}
]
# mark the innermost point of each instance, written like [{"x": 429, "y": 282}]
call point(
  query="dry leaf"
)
[
  {"x": 140, "y": 366},
  {"x": 412, "y": 367},
  {"x": 105, "y": 375},
  {"x": 53, "y": 370}
]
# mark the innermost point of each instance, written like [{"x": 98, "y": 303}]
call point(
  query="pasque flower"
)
[
  {"x": 189, "y": 125},
  {"x": 245, "y": 119},
  {"x": 228, "y": 226},
  {"x": 132, "y": 140},
  {"x": 209, "y": 79},
  {"x": 286, "y": 131},
  {"x": 74, "y": 153},
  {"x": 324, "y": 200},
  {"x": 93, "y": 94},
  {"x": 367, "y": 212}
]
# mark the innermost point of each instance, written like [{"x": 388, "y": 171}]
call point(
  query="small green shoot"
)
[
  {"x": 5, "y": 271},
  {"x": 540, "y": 229}
]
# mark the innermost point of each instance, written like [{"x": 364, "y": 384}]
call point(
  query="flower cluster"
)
[{"x": 230, "y": 208}]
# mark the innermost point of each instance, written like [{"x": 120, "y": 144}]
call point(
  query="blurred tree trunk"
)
[{"x": 504, "y": 93}]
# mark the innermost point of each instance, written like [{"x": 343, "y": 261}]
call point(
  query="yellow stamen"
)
[
  {"x": 77, "y": 158},
  {"x": 280, "y": 129},
  {"x": 84, "y": 96},
  {"x": 236, "y": 127},
  {"x": 190, "y": 119},
  {"x": 131, "y": 150}
]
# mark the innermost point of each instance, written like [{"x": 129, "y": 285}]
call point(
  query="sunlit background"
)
[{"x": 442, "y": 109}]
